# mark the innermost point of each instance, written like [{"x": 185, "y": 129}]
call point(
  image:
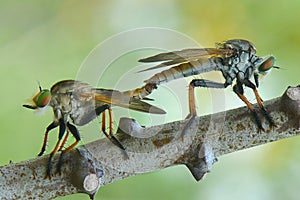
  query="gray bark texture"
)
[{"x": 89, "y": 167}]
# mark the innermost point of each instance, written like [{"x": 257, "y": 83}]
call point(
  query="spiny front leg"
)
[
  {"x": 260, "y": 103},
  {"x": 64, "y": 141},
  {"x": 62, "y": 129},
  {"x": 192, "y": 105},
  {"x": 238, "y": 89},
  {"x": 49, "y": 128},
  {"x": 76, "y": 134}
]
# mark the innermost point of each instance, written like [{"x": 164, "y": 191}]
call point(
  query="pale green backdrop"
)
[{"x": 47, "y": 41}]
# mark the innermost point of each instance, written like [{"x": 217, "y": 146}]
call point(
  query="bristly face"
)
[{"x": 40, "y": 100}]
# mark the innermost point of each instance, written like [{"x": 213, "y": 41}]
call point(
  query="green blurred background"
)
[{"x": 47, "y": 41}]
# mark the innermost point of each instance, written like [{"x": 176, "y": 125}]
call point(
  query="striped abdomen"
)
[
  {"x": 183, "y": 70},
  {"x": 179, "y": 71}
]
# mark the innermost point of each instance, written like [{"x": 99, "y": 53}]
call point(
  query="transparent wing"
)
[
  {"x": 185, "y": 55},
  {"x": 118, "y": 98}
]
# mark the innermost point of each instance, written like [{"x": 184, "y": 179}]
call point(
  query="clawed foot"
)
[
  {"x": 271, "y": 122},
  {"x": 50, "y": 166}
]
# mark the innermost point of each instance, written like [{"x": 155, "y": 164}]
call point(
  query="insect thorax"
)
[
  {"x": 73, "y": 100},
  {"x": 240, "y": 64}
]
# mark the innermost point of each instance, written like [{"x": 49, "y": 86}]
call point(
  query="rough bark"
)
[{"x": 96, "y": 164}]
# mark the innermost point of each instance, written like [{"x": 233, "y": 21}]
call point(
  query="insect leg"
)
[
  {"x": 238, "y": 89},
  {"x": 192, "y": 105},
  {"x": 76, "y": 134},
  {"x": 64, "y": 141},
  {"x": 201, "y": 83},
  {"x": 62, "y": 129},
  {"x": 259, "y": 100},
  {"x": 256, "y": 79},
  {"x": 49, "y": 128},
  {"x": 110, "y": 135}
]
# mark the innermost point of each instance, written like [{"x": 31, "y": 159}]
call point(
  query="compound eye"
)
[
  {"x": 43, "y": 98},
  {"x": 267, "y": 64}
]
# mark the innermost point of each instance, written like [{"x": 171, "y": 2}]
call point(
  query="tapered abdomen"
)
[{"x": 183, "y": 70}]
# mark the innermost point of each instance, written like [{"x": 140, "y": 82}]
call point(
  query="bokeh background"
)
[{"x": 47, "y": 41}]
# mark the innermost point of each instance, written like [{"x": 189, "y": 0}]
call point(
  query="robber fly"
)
[
  {"x": 236, "y": 59},
  {"x": 76, "y": 103}
]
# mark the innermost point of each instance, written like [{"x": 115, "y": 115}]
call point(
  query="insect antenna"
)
[{"x": 40, "y": 87}]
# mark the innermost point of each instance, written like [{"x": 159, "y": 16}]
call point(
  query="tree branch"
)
[{"x": 96, "y": 164}]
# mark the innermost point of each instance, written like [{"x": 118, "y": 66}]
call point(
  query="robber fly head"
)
[{"x": 40, "y": 100}]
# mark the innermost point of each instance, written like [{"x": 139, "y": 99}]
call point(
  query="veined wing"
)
[
  {"x": 118, "y": 98},
  {"x": 185, "y": 55},
  {"x": 183, "y": 69}
]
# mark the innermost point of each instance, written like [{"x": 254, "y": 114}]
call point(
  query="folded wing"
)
[
  {"x": 182, "y": 56},
  {"x": 117, "y": 98}
]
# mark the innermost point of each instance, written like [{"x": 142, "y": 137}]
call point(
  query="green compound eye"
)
[
  {"x": 43, "y": 98},
  {"x": 267, "y": 64}
]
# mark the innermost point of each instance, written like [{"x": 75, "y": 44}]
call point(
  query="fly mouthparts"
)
[
  {"x": 30, "y": 107},
  {"x": 148, "y": 99},
  {"x": 276, "y": 67}
]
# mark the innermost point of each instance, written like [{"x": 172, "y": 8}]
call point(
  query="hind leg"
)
[{"x": 192, "y": 105}]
